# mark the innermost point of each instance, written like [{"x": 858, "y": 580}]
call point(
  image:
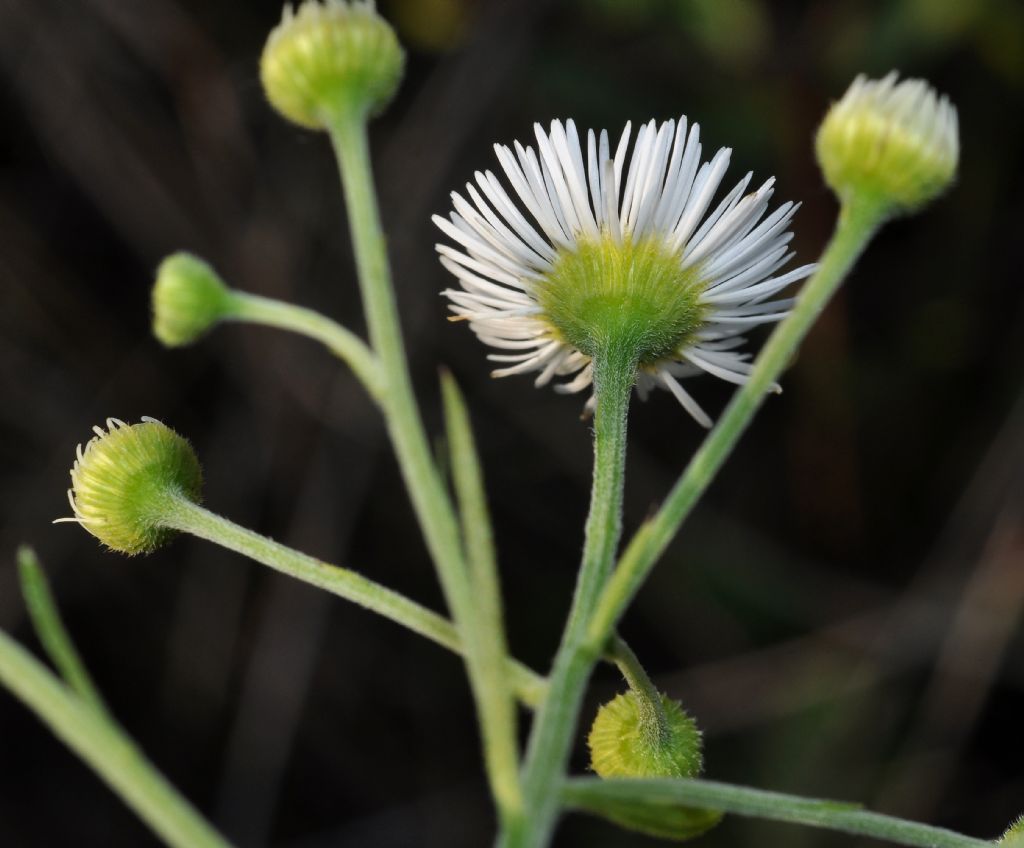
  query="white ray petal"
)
[{"x": 684, "y": 398}]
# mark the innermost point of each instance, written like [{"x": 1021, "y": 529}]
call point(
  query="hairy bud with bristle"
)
[{"x": 127, "y": 478}]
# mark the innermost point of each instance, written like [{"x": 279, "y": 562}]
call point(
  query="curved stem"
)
[
  {"x": 181, "y": 514},
  {"x": 652, "y": 710},
  {"x": 107, "y": 750},
  {"x": 342, "y": 342},
  {"x": 590, "y": 794},
  {"x": 555, "y": 724},
  {"x": 857, "y": 224}
]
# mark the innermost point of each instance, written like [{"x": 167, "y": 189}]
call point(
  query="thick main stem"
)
[
  {"x": 858, "y": 221},
  {"x": 555, "y": 724},
  {"x": 430, "y": 500}
]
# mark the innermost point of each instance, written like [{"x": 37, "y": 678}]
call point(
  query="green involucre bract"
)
[
  {"x": 1014, "y": 836},
  {"x": 635, "y": 292}
]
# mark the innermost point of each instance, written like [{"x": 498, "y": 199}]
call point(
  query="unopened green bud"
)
[
  {"x": 127, "y": 479},
  {"x": 188, "y": 299},
  {"x": 630, "y": 739},
  {"x": 896, "y": 144},
  {"x": 1014, "y": 836},
  {"x": 330, "y": 60}
]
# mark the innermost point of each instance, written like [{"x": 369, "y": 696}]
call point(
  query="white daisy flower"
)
[{"x": 613, "y": 248}]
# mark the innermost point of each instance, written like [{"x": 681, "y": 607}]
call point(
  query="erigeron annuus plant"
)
[{"x": 594, "y": 269}]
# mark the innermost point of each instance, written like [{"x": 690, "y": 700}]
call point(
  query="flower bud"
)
[
  {"x": 896, "y": 144},
  {"x": 628, "y": 739},
  {"x": 1014, "y": 836},
  {"x": 127, "y": 478},
  {"x": 631, "y": 737},
  {"x": 330, "y": 60},
  {"x": 188, "y": 299}
]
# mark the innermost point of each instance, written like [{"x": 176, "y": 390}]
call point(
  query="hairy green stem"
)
[
  {"x": 186, "y": 516},
  {"x": 591, "y": 794},
  {"x": 426, "y": 489},
  {"x": 555, "y": 724},
  {"x": 342, "y": 342},
  {"x": 857, "y": 224},
  {"x": 651, "y": 709},
  {"x": 107, "y": 750}
]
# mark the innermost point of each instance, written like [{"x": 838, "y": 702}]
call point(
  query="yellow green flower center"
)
[{"x": 634, "y": 295}]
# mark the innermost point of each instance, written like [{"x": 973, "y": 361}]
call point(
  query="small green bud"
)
[
  {"x": 329, "y": 60},
  {"x": 628, "y": 739},
  {"x": 1014, "y": 836},
  {"x": 893, "y": 143},
  {"x": 126, "y": 478},
  {"x": 188, "y": 299}
]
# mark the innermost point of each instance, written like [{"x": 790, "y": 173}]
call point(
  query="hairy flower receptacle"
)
[{"x": 633, "y": 296}]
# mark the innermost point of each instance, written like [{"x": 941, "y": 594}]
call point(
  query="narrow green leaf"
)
[
  {"x": 49, "y": 627},
  {"x": 486, "y": 623},
  {"x": 105, "y": 748},
  {"x": 594, "y": 795},
  {"x": 469, "y": 488}
]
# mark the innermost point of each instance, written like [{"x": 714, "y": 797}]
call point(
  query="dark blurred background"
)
[{"x": 842, "y": 613}]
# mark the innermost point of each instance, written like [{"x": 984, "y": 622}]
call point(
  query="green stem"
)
[
  {"x": 181, "y": 514},
  {"x": 48, "y": 625},
  {"x": 555, "y": 724},
  {"x": 345, "y": 344},
  {"x": 590, "y": 794},
  {"x": 652, "y": 711},
  {"x": 857, "y": 224},
  {"x": 107, "y": 750},
  {"x": 426, "y": 489}
]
